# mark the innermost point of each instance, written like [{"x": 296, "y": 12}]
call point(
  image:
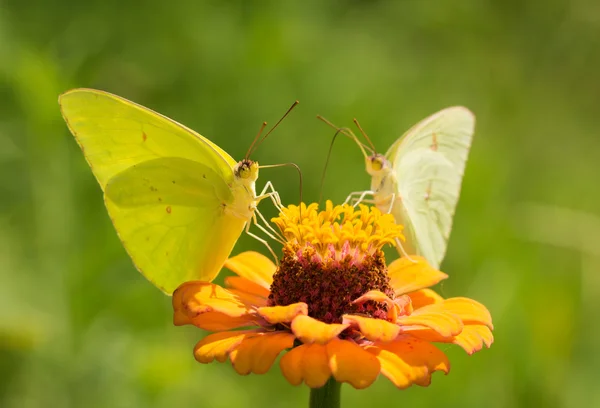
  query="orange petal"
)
[
  {"x": 249, "y": 300},
  {"x": 352, "y": 364},
  {"x": 424, "y": 297},
  {"x": 446, "y": 324},
  {"x": 407, "y": 276},
  {"x": 408, "y": 361},
  {"x": 246, "y": 285},
  {"x": 471, "y": 339},
  {"x": 310, "y": 330},
  {"x": 254, "y": 267},
  {"x": 469, "y": 311},
  {"x": 197, "y": 297},
  {"x": 217, "y": 346},
  {"x": 283, "y": 314},
  {"x": 256, "y": 354},
  {"x": 308, "y": 363},
  {"x": 374, "y": 329},
  {"x": 291, "y": 365},
  {"x": 215, "y": 321}
]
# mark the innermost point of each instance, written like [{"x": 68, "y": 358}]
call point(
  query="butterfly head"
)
[
  {"x": 246, "y": 170},
  {"x": 376, "y": 163}
]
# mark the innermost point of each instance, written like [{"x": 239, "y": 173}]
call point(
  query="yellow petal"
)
[
  {"x": 408, "y": 361},
  {"x": 217, "y": 346},
  {"x": 407, "y": 276},
  {"x": 374, "y": 295},
  {"x": 399, "y": 372},
  {"x": 256, "y": 354},
  {"x": 352, "y": 364},
  {"x": 197, "y": 297},
  {"x": 403, "y": 305},
  {"x": 469, "y": 311},
  {"x": 254, "y": 267},
  {"x": 310, "y": 330},
  {"x": 246, "y": 285},
  {"x": 424, "y": 297},
  {"x": 471, "y": 339},
  {"x": 377, "y": 296},
  {"x": 374, "y": 329},
  {"x": 308, "y": 363},
  {"x": 283, "y": 314},
  {"x": 446, "y": 324}
]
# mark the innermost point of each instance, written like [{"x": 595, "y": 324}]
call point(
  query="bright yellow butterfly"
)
[{"x": 178, "y": 201}]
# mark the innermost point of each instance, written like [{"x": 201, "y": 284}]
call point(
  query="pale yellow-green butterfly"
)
[
  {"x": 419, "y": 179},
  {"x": 177, "y": 200}
]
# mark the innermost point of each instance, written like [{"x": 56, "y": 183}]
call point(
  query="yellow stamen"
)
[{"x": 363, "y": 227}]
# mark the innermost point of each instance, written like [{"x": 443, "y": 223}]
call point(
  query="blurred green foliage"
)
[{"x": 79, "y": 327}]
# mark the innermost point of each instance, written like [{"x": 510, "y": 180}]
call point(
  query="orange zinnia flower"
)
[{"x": 334, "y": 304}]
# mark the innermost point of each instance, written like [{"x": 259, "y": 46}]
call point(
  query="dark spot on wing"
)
[
  {"x": 173, "y": 181},
  {"x": 144, "y": 137},
  {"x": 152, "y": 188},
  {"x": 169, "y": 209},
  {"x": 204, "y": 176},
  {"x": 160, "y": 199}
]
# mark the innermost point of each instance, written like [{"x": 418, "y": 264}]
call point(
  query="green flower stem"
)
[{"x": 328, "y": 396}]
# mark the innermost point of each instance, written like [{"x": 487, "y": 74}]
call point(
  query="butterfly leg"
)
[
  {"x": 259, "y": 239},
  {"x": 355, "y": 201},
  {"x": 269, "y": 230},
  {"x": 352, "y": 197},
  {"x": 402, "y": 251},
  {"x": 269, "y": 191},
  {"x": 392, "y": 200},
  {"x": 399, "y": 245}
]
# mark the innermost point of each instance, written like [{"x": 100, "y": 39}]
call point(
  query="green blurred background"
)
[{"x": 79, "y": 327}]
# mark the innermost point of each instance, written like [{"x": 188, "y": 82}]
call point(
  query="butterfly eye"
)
[
  {"x": 376, "y": 163},
  {"x": 247, "y": 169},
  {"x": 244, "y": 172}
]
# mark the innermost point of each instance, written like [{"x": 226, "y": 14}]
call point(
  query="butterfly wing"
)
[
  {"x": 165, "y": 186},
  {"x": 428, "y": 163},
  {"x": 115, "y": 134}
]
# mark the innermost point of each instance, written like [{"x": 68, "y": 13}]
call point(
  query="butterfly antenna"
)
[
  {"x": 327, "y": 163},
  {"x": 262, "y": 127},
  {"x": 254, "y": 146},
  {"x": 348, "y": 133},
  {"x": 364, "y": 135}
]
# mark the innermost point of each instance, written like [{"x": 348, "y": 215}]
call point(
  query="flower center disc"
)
[
  {"x": 329, "y": 286},
  {"x": 331, "y": 258}
]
